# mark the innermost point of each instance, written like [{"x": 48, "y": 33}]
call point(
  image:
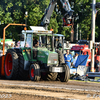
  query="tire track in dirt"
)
[{"x": 49, "y": 90}]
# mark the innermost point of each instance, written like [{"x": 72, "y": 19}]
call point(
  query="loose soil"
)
[{"x": 28, "y": 92}]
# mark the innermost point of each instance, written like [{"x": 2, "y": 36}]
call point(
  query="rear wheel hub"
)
[{"x": 8, "y": 64}]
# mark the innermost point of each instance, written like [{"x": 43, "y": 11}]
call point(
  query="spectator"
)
[
  {"x": 96, "y": 65},
  {"x": 68, "y": 58},
  {"x": 18, "y": 44},
  {"x": 99, "y": 67},
  {"x": 76, "y": 56}
]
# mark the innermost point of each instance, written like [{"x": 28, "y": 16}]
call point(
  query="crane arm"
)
[{"x": 66, "y": 11}]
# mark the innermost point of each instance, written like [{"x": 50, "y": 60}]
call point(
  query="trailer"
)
[{"x": 5, "y": 45}]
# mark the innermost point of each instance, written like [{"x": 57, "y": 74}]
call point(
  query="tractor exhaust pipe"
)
[{"x": 52, "y": 41}]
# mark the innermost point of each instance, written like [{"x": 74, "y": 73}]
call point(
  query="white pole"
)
[
  {"x": 93, "y": 35},
  {"x": 77, "y": 33},
  {"x": 80, "y": 34}
]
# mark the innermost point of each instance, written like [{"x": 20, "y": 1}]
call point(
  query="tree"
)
[
  {"x": 13, "y": 11},
  {"x": 53, "y": 23},
  {"x": 84, "y": 11}
]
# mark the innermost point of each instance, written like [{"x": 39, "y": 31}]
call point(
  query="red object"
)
[
  {"x": 65, "y": 24},
  {"x": 51, "y": 29},
  {"x": 86, "y": 74},
  {"x": 25, "y": 28},
  {"x": 32, "y": 72},
  {"x": 85, "y": 50},
  {"x": 97, "y": 58},
  {"x": 8, "y": 64},
  {"x": 4, "y": 31}
]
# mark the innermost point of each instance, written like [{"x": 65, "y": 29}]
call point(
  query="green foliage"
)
[
  {"x": 34, "y": 15},
  {"x": 66, "y": 32},
  {"x": 83, "y": 9},
  {"x": 13, "y": 11},
  {"x": 53, "y": 23}
]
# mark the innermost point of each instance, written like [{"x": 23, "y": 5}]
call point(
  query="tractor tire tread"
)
[
  {"x": 22, "y": 74},
  {"x": 14, "y": 72}
]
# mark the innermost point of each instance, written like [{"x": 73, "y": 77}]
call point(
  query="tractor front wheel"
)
[
  {"x": 11, "y": 64},
  {"x": 64, "y": 77},
  {"x": 52, "y": 76},
  {"x": 34, "y": 72}
]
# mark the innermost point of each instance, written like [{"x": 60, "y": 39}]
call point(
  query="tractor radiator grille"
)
[{"x": 52, "y": 58}]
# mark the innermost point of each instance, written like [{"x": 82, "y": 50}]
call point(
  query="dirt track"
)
[{"x": 48, "y": 90}]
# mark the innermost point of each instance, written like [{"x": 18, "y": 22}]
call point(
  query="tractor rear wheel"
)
[
  {"x": 22, "y": 74},
  {"x": 11, "y": 64},
  {"x": 52, "y": 76},
  {"x": 64, "y": 77},
  {"x": 34, "y": 72}
]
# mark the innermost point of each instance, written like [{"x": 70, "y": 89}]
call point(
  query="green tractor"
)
[{"x": 42, "y": 61}]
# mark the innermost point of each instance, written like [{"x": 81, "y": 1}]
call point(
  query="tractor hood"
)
[{"x": 47, "y": 57}]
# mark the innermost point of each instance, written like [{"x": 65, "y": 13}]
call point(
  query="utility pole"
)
[
  {"x": 26, "y": 15},
  {"x": 72, "y": 33},
  {"x": 77, "y": 33},
  {"x": 80, "y": 34},
  {"x": 93, "y": 34}
]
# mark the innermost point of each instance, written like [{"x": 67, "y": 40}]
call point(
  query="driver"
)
[{"x": 35, "y": 42}]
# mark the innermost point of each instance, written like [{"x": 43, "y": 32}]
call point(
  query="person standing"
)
[
  {"x": 76, "y": 56},
  {"x": 68, "y": 58},
  {"x": 96, "y": 66}
]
